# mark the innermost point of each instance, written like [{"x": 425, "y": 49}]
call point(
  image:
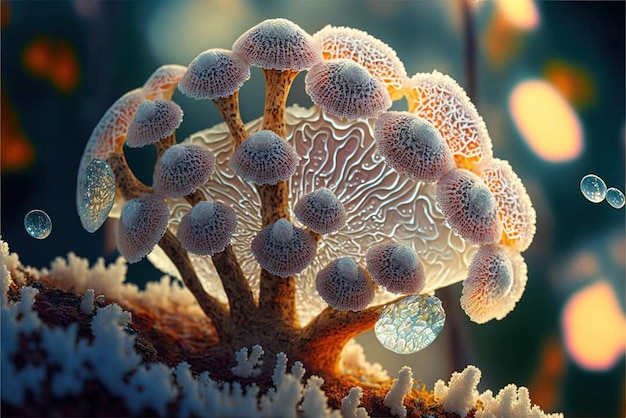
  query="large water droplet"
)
[
  {"x": 593, "y": 188},
  {"x": 615, "y": 197},
  {"x": 98, "y": 194},
  {"x": 410, "y": 325},
  {"x": 38, "y": 224}
]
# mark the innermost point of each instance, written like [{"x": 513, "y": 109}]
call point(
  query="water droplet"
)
[
  {"x": 98, "y": 194},
  {"x": 38, "y": 224},
  {"x": 593, "y": 188},
  {"x": 410, "y": 325},
  {"x": 615, "y": 197}
]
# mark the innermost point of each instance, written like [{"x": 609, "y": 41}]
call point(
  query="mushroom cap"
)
[
  {"x": 375, "y": 55},
  {"x": 282, "y": 249},
  {"x": 321, "y": 211},
  {"x": 439, "y": 99},
  {"x": 154, "y": 120},
  {"x": 514, "y": 206},
  {"x": 469, "y": 207},
  {"x": 412, "y": 145},
  {"x": 264, "y": 158},
  {"x": 343, "y": 285},
  {"x": 207, "y": 228},
  {"x": 395, "y": 267},
  {"x": 346, "y": 89},
  {"x": 214, "y": 74},
  {"x": 182, "y": 169},
  {"x": 142, "y": 223},
  {"x": 277, "y": 44},
  {"x": 106, "y": 139},
  {"x": 162, "y": 83},
  {"x": 495, "y": 282}
]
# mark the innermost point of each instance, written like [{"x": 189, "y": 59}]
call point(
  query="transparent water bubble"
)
[
  {"x": 410, "y": 325},
  {"x": 615, "y": 197},
  {"x": 97, "y": 194},
  {"x": 593, "y": 188},
  {"x": 38, "y": 224}
]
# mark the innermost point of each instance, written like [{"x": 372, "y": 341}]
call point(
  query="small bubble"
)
[
  {"x": 410, "y": 325},
  {"x": 98, "y": 194},
  {"x": 593, "y": 188},
  {"x": 615, "y": 197},
  {"x": 38, "y": 224}
]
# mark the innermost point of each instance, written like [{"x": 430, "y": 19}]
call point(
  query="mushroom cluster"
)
[{"x": 296, "y": 230}]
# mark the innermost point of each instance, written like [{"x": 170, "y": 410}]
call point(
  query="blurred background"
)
[{"x": 549, "y": 82}]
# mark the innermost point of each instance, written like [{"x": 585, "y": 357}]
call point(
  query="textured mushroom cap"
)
[
  {"x": 514, "y": 206},
  {"x": 264, "y": 158},
  {"x": 163, "y": 82},
  {"x": 282, "y": 249},
  {"x": 154, "y": 120},
  {"x": 213, "y": 74},
  {"x": 277, "y": 44},
  {"x": 375, "y": 55},
  {"x": 207, "y": 228},
  {"x": 412, "y": 145},
  {"x": 395, "y": 267},
  {"x": 142, "y": 224},
  {"x": 344, "y": 285},
  {"x": 107, "y": 138},
  {"x": 440, "y": 100},
  {"x": 495, "y": 282},
  {"x": 182, "y": 169},
  {"x": 469, "y": 207},
  {"x": 321, "y": 211},
  {"x": 345, "y": 89}
]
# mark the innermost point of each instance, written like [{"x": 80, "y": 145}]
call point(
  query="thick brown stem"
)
[
  {"x": 210, "y": 305},
  {"x": 229, "y": 109},
  {"x": 125, "y": 180},
  {"x": 277, "y": 298},
  {"x": 321, "y": 342},
  {"x": 240, "y": 298},
  {"x": 277, "y": 86},
  {"x": 163, "y": 144}
]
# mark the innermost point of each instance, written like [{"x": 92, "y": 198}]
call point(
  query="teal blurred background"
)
[{"x": 64, "y": 63}]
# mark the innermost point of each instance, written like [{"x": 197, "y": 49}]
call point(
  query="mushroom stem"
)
[
  {"x": 277, "y": 86},
  {"x": 163, "y": 144},
  {"x": 240, "y": 298},
  {"x": 277, "y": 298},
  {"x": 322, "y": 340},
  {"x": 125, "y": 180},
  {"x": 276, "y": 294},
  {"x": 210, "y": 305},
  {"x": 229, "y": 109}
]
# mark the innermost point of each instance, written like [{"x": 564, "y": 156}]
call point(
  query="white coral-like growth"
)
[
  {"x": 460, "y": 394},
  {"x": 350, "y": 404},
  {"x": 401, "y": 387},
  {"x": 248, "y": 366},
  {"x": 511, "y": 401}
]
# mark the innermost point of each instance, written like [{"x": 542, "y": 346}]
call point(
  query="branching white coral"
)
[
  {"x": 460, "y": 394},
  {"x": 511, "y": 401},
  {"x": 248, "y": 366},
  {"x": 350, "y": 404},
  {"x": 401, "y": 387}
]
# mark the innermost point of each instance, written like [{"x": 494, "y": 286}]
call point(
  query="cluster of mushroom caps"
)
[{"x": 440, "y": 139}]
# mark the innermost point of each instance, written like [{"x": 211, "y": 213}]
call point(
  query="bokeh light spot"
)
[
  {"x": 546, "y": 121},
  {"x": 54, "y": 61},
  {"x": 594, "y": 327},
  {"x": 16, "y": 151},
  {"x": 521, "y": 14},
  {"x": 573, "y": 82}
]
